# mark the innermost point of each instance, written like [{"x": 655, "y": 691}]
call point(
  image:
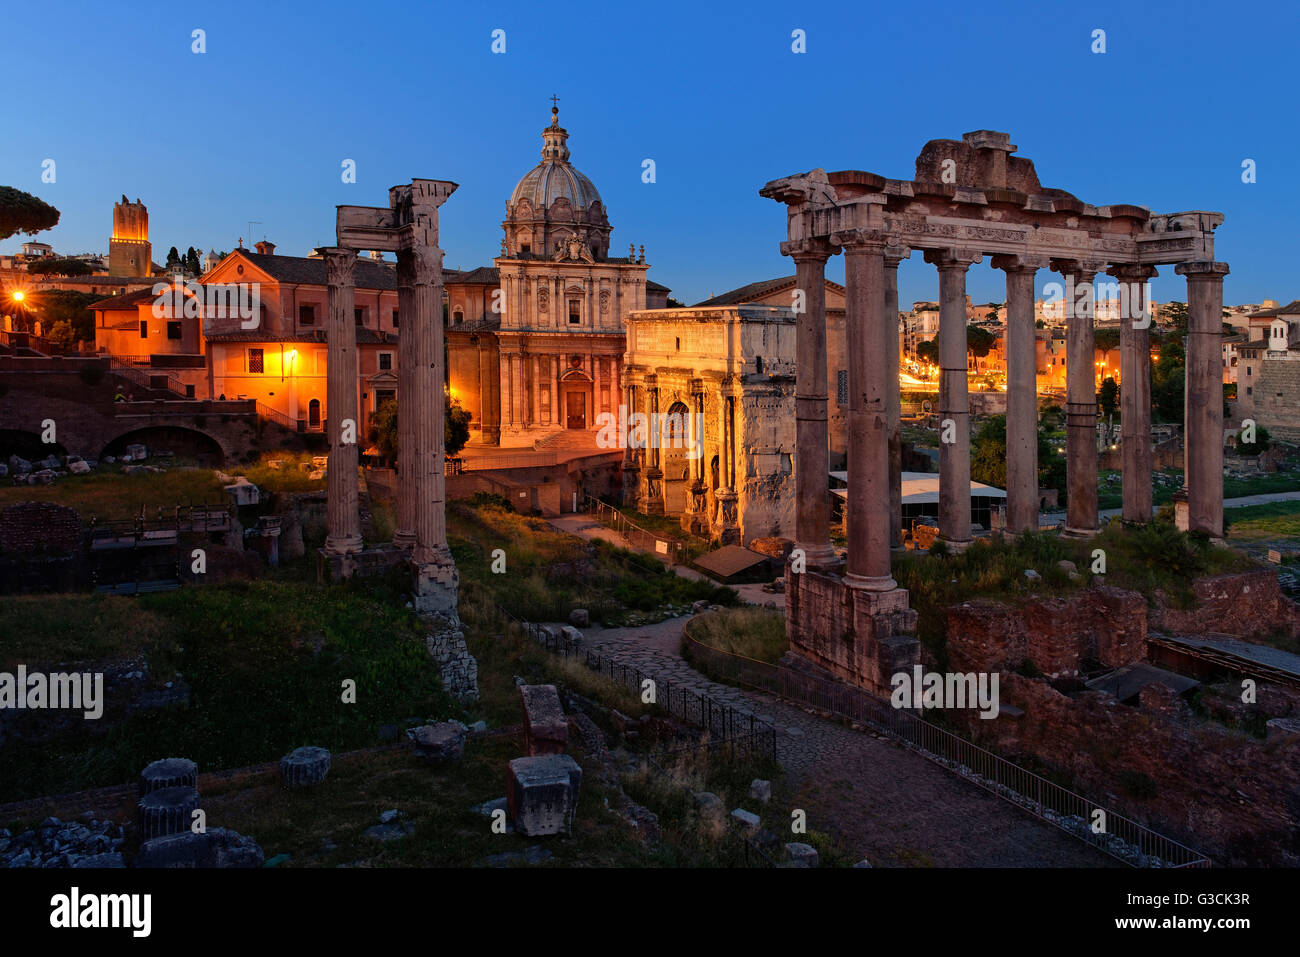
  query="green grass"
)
[
  {"x": 1111, "y": 495},
  {"x": 755, "y": 633},
  {"x": 1262, "y": 522},
  {"x": 106, "y": 494}
]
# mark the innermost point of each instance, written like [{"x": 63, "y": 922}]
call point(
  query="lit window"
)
[{"x": 255, "y": 360}]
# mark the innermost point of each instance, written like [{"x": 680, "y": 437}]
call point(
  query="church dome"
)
[{"x": 555, "y": 177}]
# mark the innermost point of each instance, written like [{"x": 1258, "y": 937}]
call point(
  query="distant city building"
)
[{"x": 129, "y": 250}]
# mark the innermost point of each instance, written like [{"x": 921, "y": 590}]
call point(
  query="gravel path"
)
[{"x": 882, "y": 801}]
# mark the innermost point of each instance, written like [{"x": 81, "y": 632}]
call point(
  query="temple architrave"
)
[{"x": 972, "y": 198}]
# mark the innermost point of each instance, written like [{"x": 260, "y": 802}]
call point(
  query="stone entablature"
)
[{"x": 732, "y": 369}]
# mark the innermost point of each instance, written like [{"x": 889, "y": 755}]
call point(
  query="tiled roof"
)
[
  {"x": 300, "y": 269},
  {"x": 478, "y": 276},
  {"x": 754, "y": 290},
  {"x": 657, "y": 287},
  {"x": 1290, "y": 309},
  {"x": 130, "y": 301}
]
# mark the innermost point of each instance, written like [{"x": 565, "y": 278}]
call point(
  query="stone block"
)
[
  {"x": 218, "y": 847},
  {"x": 579, "y": 618},
  {"x": 304, "y": 767},
  {"x": 542, "y": 793},
  {"x": 709, "y": 807},
  {"x": 801, "y": 855},
  {"x": 111, "y": 859},
  {"x": 571, "y": 635},
  {"x": 169, "y": 773},
  {"x": 244, "y": 492},
  {"x": 166, "y": 811},
  {"x": 748, "y": 822},
  {"x": 760, "y": 790},
  {"x": 136, "y": 453},
  {"x": 78, "y": 468},
  {"x": 546, "y": 730},
  {"x": 440, "y": 742}
]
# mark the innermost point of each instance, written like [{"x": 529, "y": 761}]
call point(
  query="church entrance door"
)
[{"x": 575, "y": 404}]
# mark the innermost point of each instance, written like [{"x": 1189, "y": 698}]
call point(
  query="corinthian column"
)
[
  {"x": 893, "y": 401},
  {"x": 1204, "y": 412},
  {"x": 341, "y": 399},
  {"x": 404, "y": 534},
  {"x": 867, "y": 333},
  {"x": 812, "y": 457},
  {"x": 1135, "y": 390},
  {"x": 1081, "y": 520},
  {"x": 1022, "y": 394},
  {"x": 428, "y": 381},
  {"x": 954, "y": 397}
]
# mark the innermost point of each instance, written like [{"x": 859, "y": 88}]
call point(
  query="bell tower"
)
[{"x": 129, "y": 250}]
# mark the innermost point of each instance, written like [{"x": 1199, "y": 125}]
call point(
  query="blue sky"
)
[{"x": 257, "y": 127}]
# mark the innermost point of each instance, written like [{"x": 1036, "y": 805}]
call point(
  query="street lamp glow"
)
[{"x": 18, "y": 295}]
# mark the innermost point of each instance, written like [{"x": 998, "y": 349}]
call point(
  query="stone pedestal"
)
[
  {"x": 652, "y": 501},
  {"x": 860, "y": 636},
  {"x": 542, "y": 794},
  {"x": 727, "y": 527},
  {"x": 696, "y": 517},
  {"x": 546, "y": 729}
]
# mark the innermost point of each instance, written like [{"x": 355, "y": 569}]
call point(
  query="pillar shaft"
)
[
  {"x": 867, "y": 334},
  {"x": 1204, "y": 404},
  {"x": 1022, "y": 403},
  {"x": 812, "y": 457},
  {"x": 341, "y": 399},
  {"x": 1081, "y": 404},
  {"x": 429, "y": 412},
  {"x": 404, "y": 534},
  {"x": 1135, "y": 391},
  {"x": 893, "y": 400},
  {"x": 954, "y": 403}
]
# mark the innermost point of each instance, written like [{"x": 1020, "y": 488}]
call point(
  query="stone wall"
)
[
  {"x": 1277, "y": 398},
  {"x": 30, "y": 527},
  {"x": 858, "y": 636},
  {"x": 1220, "y": 791},
  {"x": 1243, "y": 604},
  {"x": 1105, "y": 624}
]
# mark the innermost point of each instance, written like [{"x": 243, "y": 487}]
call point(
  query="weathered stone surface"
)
[
  {"x": 546, "y": 730},
  {"x": 244, "y": 492},
  {"x": 218, "y": 847},
  {"x": 1243, "y": 604},
  {"x": 748, "y": 821},
  {"x": 801, "y": 855},
  {"x": 440, "y": 742},
  {"x": 112, "y": 859},
  {"x": 862, "y": 863},
  {"x": 78, "y": 468},
  {"x": 169, "y": 773},
  {"x": 166, "y": 811},
  {"x": 760, "y": 790},
  {"x": 710, "y": 808},
  {"x": 579, "y": 618},
  {"x": 572, "y": 636},
  {"x": 458, "y": 668},
  {"x": 1279, "y": 729},
  {"x": 542, "y": 793},
  {"x": 304, "y": 767},
  {"x": 136, "y": 453}
]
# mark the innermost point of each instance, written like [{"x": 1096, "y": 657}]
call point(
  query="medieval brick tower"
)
[{"x": 129, "y": 250}]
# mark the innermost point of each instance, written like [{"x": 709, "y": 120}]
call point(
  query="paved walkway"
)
[
  {"x": 1265, "y": 498},
  {"x": 882, "y": 801}
]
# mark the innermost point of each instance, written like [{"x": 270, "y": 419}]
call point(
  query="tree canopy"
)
[
  {"x": 24, "y": 213},
  {"x": 58, "y": 266},
  {"x": 383, "y": 429}
]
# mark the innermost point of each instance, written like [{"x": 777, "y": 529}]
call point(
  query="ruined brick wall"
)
[
  {"x": 1277, "y": 398},
  {"x": 1244, "y": 604},
  {"x": 1106, "y": 624},
  {"x": 1222, "y": 792},
  {"x": 39, "y": 527}
]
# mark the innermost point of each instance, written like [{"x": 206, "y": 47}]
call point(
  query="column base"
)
[
  {"x": 1071, "y": 532},
  {"x": 342, "y": 544},
  {"x": 879, "y": 583},
  {"x": 404, "y": 540},
  {"x": 955, "y": 546}
]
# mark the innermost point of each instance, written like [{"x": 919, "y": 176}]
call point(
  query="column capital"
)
[
  {"x": 1078, "y": 267},
  {"x": 1132, "y": 272},
  {"x": 1202, "y": 269},
  {"x": 808, "y": 250},
  {"x": 340, "y": 264},
  {"x": 895, "y": 253},
  {"x": 1019, "y": 262},
  {"x": 954, "y": 258},
  {"x": 419, "y": 266},
  {"x": 860, "y": 237}
]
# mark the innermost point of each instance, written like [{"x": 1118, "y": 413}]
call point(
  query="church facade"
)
[{"x": 535, "y": 345}]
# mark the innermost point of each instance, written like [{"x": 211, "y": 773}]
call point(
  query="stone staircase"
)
[{"x": 567, "y": 439}]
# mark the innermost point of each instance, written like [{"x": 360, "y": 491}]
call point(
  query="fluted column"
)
[
  {"x": 1135, "y": 390},
  {"x": 428, "y": 380},
  {"x": 1022, "y": 394},
  {"x": 341, "y": 399},
  {"x": 1081, "y": 518},
  {"x": 1203, "y": 473},
  {"x": 812, "y": 457},
  {"x": 954, "y": 397},
  {"x": 404, "y": 534},
  {"x": 866, "y": 325},
  {"x": 893, "y": 400}
]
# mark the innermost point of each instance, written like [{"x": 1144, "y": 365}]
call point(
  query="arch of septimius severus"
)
[{"x": 970, "y": 199}]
